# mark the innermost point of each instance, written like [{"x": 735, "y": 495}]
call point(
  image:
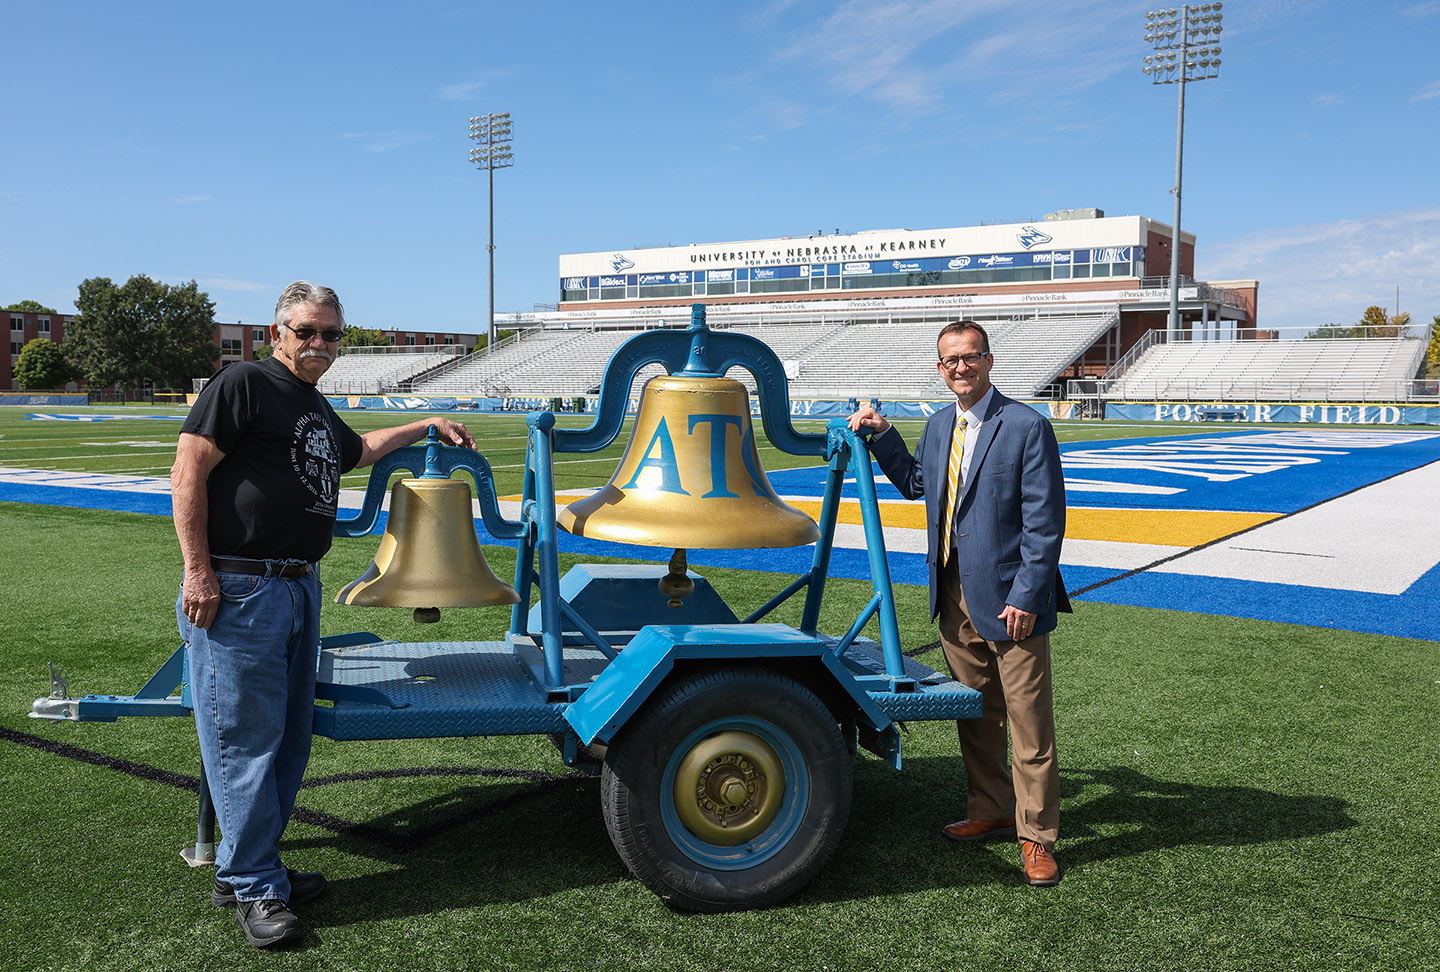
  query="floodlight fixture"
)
[
  {"x": 492, "y": 135},
  {"x": 1178, "y": 62}
]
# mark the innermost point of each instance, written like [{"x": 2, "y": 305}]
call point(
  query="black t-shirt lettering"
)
[{"x": 274, "y": 495}]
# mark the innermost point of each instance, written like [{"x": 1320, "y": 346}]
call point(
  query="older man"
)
[
  {"x": 255, "y": 487},
  {"x": 989, "y": 470}
]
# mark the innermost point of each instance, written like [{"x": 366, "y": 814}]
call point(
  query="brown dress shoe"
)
[
  {"x": 1041, "y": 869},
  {"x": 977, "y": 829}
]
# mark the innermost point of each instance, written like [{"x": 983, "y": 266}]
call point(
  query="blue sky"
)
[{"x": 246, "y": 145}]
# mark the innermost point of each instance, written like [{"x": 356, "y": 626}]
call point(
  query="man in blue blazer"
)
[{"x": 995, "y": 585}]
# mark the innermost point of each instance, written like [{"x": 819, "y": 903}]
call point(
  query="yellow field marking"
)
[
  {"x": 1168, "y": 528},
  {"x": 1176, "y": 528},
  {"x": 1171, "y": 528}
]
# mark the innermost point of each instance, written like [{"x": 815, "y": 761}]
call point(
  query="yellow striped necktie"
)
[{"x": 952, "y": 489}]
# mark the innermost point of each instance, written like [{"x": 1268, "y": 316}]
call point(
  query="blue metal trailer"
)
[{"x": 724, "y": 744}]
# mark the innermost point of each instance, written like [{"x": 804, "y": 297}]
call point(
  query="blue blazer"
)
[{"x": 1011, "y": 518}]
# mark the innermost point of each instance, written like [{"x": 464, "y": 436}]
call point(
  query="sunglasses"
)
[{"x": 330, "y": 335}]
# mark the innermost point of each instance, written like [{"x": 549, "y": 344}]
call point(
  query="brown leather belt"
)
[{"x": 288, "y": 570}]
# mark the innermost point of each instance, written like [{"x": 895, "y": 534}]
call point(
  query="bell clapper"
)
[
  {"x": 428, "y": 615},
  {"x": 677, "y": 584}
]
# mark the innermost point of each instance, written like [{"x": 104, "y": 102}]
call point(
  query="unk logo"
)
[
  {"x": 1032, "y": 237},
  {"x": 620, "y": 263},
  {"x": 658, "y": 468}
]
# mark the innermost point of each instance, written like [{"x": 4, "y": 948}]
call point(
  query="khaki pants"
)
[{"x": 1013, "y": 677}]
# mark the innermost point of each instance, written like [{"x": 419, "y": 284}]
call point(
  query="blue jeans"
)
[{"x": 252, "y": 682}]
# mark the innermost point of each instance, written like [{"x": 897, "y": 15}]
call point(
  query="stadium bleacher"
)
[
  {"x": 378, "y": 370},
  {"x": 1031, "y": 351},
  {"x": 836, "y": 359},
  {"x": 1310, "y": 369},
  {"x": 890, "y": 357}
]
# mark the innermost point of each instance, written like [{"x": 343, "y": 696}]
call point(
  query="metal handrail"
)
[{"x": 1268, "y": 390}]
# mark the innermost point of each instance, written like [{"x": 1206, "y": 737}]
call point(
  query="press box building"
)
[{"x": 1071, "y": 262}]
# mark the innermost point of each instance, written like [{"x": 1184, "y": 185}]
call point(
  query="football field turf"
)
[{"x": 1246, "y": 702}]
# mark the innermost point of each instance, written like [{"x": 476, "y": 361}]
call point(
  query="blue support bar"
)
[
  {"x": 782, "y": 597},
  {"x": 108, "y": 708},
  {"x": 865, "y": 615},
  {"x": 433, "y": 460},
  {"x": 839, "y": 451},
  {"x": 163, "y": 682},
  {"x": 542, "y": 428},
  {"x": 695, "y": 351},
  {"x": 573, "y": 616},
  {"x": 875, "y": 546},
  {"x": 525, "y": 549}
]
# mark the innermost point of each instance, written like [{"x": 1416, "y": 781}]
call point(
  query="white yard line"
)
[{"x": 1380, "y": 539}]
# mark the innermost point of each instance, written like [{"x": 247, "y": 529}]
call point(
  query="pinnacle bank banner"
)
[{"x": 1299, "y": 414}]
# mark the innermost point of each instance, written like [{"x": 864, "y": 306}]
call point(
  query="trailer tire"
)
[{"x": 729, "y": 789}]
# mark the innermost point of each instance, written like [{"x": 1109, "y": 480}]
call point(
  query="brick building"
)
[{"x": 26, "y": 327}]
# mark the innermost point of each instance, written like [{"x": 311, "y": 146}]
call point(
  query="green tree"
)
[
  {"x": 363, "y": 337},
  {"x": 142, "y": 330},
  {"x": 263, "y": 351},
  {"x": 42, "y": 365},
  {"x": 31, "y": 307},
  {"x": 1432, "y": 355},
  {"x": 1333, "y": 331},
  {"x": 482, "y": 341},
  {"x": 1380, "y": 324}
]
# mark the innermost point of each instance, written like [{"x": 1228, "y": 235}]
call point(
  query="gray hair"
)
[{"x": 304, "y": 292}]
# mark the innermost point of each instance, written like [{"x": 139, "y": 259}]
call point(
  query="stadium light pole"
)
[
  {"x": 491, "y": 151},
  {"x": 1185, "y": 42}
]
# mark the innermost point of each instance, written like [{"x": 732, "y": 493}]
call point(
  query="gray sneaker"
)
[{"x": 267, "y": 922}]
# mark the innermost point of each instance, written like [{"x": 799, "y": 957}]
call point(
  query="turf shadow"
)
[
  {"x": 469, "y": 847},
  {"x": 1156, "y": 814},
  {"x": 893, "y": 843}
]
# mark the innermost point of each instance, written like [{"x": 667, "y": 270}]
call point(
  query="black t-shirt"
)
[{"x": 274, "y": 494}]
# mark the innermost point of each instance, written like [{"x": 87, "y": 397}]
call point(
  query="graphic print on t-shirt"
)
[{"x": 316, "y": 460}]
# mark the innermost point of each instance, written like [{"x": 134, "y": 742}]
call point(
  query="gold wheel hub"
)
[{"x": 729, "y": 787}]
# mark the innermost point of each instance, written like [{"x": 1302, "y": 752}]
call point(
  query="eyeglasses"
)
[
  {"x": 952, "y": 361},
  {"x": 330, "y": 335}
]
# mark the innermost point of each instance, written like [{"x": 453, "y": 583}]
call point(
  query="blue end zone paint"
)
[
  {"x": 103, "y": 418},
  {"x": 1414, "y": 614},
  {"x": 114, "y": 500},
  {"x": 1272, "y": 471},
  {"x": 1277, "y": 471}
]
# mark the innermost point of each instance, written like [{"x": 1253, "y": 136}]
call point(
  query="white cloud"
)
[
  {"x": 385, "y": 141},
  {"x": 1327, "y": 100},
  {"x": 191, "y": 199},
  {"x": 1431, "y": 90},
  {"x": 229, "y": 283},
  {"x": 923, "y": 57},
  {"x": 463, "y": 91},
  {"x": 466, "y": 90},
  {"x": 1330, "y": 272}
]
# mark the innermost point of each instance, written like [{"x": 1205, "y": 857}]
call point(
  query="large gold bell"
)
[
  {"x": 691, "y": 477},
  {"x": 430, "y": 556}
]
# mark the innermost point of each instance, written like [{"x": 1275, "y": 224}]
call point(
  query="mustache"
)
[{"x": 312, "y": 353}]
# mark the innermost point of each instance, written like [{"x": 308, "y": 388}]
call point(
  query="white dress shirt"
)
[{"x": 972, "y": 429}]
